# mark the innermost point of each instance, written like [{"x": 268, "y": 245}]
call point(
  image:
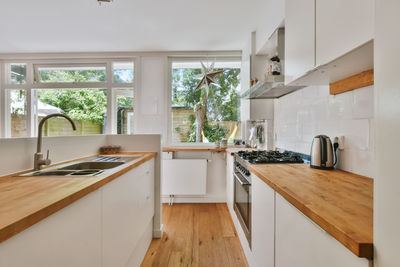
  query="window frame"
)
[
  {"x": 121, "y": 92},
  {"x": 184, "y": 59},
  {"x": 33, "y": 84}
]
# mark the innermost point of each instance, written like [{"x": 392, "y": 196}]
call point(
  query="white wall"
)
[
  {"x": 387, "y": 114},
  {"x": 311, "y": 111},
  {"x": 151, "y": 110}
]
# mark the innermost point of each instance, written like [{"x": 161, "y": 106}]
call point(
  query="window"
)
[
  {"x": 123, "y": 72},
  {"x": 16, "y": 117},
  {"x": 87, "y": 108},
  {"x": 17, "y": 73},
  {"x": 98, "y": 104},
  {"x": 71, "y": 74},
  {"x": 221, "y": 119},
  {"x": 124, "y": 110}
]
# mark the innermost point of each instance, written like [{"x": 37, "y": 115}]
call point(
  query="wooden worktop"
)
[
  {"x": 340, "y": 202},
  {"x": 229, "y": 149},
  {"x": 193, "y": 148},
  {"x": 25, "y": 201}
]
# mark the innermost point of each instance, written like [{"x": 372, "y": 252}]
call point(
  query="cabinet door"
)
[
  {"x": 263, "y": 223},
  {"x": 124, "y": 218},
  {"x": 229, "y": 181},
  {"x": 341, "y": 26},
  {"x": 69, "y": 237},
  {"x": 299, "y": 38},
  {"x": 301, "y": 243}
]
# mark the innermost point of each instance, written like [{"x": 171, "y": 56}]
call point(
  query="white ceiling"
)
[{"x": 126, "y": 25}]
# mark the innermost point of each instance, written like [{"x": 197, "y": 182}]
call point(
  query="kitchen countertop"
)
[
  {"x": 229, "y": 149},
  {"x": 339, "y": 202},
  {"x": 193, "y": 148},
  {"x": 25, "y": 201}
]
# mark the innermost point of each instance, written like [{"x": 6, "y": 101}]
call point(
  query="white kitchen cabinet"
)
[
  {"x": 301, "y": 243},
  {"x": 263, "y": 223},
  {"x": 229, "y": 181},
  {"x": 299, "y": 38},
  {"x": 127, "y": 211},
  {"x": 341, "y": 26},
  {"x": 69, "y": 237},
  {"x": 111, "y": 226}
]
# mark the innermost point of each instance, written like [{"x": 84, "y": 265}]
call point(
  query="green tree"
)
[
  {"x": 222, "y": 102},
  {"x": 79, "y": 104}
]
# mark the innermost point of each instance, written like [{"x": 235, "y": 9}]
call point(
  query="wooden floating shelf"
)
[{"x": 360, "y": 80}]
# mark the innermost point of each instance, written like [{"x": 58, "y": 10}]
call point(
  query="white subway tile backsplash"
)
[
  {"x": 303, "y": 147},
  {"x": 356, "y": 133},
  {"x": 340, "y": 106},
  {"x": 323, "y": 90},
  {"x": 358, "y": 162},
  {"x": 311, "y": 111},
  {"x": 363, "y": 103}
]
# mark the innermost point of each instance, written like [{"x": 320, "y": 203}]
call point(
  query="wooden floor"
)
[{"x": 196, "y": 235}]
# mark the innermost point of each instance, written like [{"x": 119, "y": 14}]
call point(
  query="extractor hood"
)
[
  {"x": 270, "y": 89},
  {"x": 269, "y": 86}
]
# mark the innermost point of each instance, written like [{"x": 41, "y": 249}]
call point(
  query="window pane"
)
[
  {"x": 124, "y": 110},
  {"x": 72, "y": 74},
  {"x": 123, "y": 72},
  {"x": 17, "y": 73},
  {"x": 222, "y": 118},
  {"x": 17, "y": 109},
  {"x": 86, "y": 107}
]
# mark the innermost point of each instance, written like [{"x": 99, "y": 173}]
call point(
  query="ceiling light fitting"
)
[{"x": 104, "y": 1}]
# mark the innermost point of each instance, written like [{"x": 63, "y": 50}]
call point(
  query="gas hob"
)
[{"x": 267, "y": 157}]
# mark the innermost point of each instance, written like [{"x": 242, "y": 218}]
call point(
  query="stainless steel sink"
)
[
  {"x": 88, "y": 167},
  {"x": 51, "y": 173},
  {"x": 66, "y": 173},
  {"x": 93, "y": 165}
]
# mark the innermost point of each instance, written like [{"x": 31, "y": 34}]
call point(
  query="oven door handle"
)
[{"x": 241, "y": 180}]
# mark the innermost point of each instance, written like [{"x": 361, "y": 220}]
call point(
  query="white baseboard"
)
[{"x": 157, "y": 233}]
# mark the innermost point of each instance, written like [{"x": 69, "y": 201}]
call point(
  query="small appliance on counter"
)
[{"x": 323, "y": 154}]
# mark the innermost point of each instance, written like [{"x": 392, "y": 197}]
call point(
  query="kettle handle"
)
[{"x": 324, "y": 150}]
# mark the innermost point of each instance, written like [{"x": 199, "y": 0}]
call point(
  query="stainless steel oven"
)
[{"x": 242, "y": 198}]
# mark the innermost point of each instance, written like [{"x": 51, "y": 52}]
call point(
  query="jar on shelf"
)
[{"x": 275, "y": 65}]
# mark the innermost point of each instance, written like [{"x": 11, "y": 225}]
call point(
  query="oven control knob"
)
[{"x": 247, "y": 172}]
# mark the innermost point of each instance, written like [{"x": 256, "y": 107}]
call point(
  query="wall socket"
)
[{"x": 340, "y": 141}]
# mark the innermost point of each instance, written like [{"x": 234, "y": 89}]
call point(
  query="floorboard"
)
[{"x": 196, "y": 235}]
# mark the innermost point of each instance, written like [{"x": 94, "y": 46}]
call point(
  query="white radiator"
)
[{"x": 184, "y": 177}]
